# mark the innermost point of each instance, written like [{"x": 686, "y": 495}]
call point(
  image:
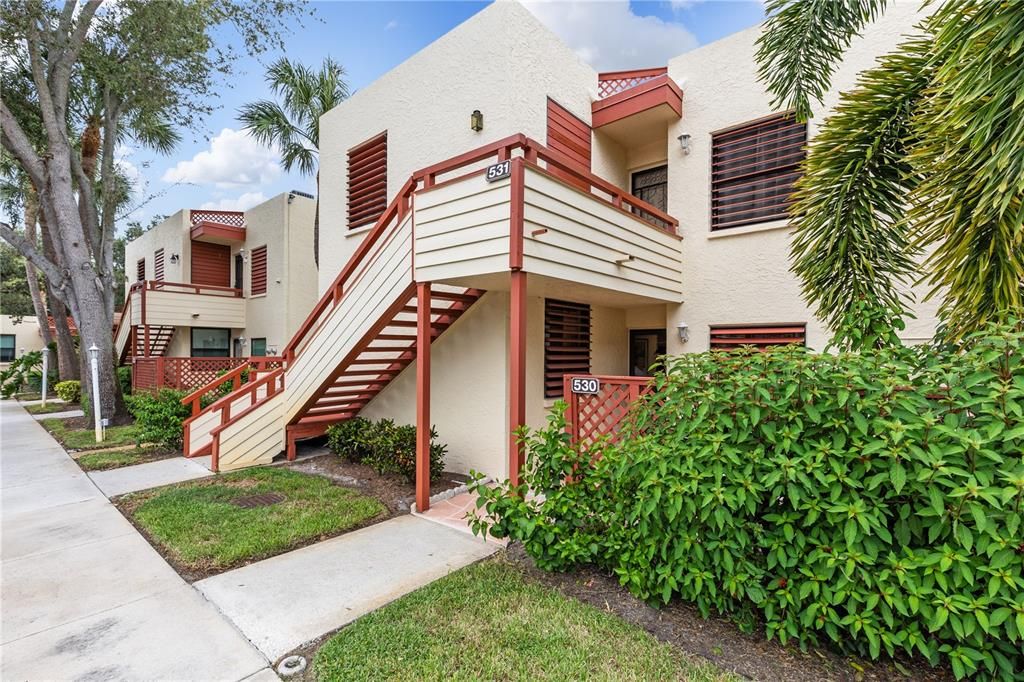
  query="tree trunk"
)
[
  {"x": 31, "y": 217},
  {"x": 67, "y": 356}
]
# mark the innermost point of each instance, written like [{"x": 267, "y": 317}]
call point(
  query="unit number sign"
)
[
  {"x": 499, "y": 171},
  {"x": 585, "y": 385}
]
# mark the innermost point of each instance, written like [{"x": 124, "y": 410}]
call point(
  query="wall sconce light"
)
[
  {"x": 175, "y": 258},
  {"x": 684, "y": 142},
  {"x": 476, "y": 121},
  {"x": 684, "y": 332},
  {"x": 195, "y": 316},
  {"x": 241, "y": 252}
]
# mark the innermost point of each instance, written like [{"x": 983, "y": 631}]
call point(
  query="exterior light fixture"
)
[
  {"x": 175, "y": 258},
  {"x": 684, "y": 142},
  {"x": 476, "y": 121},
  {"x": 241, "y": 252},
  {"x": 684, "y": 332},
  {"x": 94, "y": 355}
]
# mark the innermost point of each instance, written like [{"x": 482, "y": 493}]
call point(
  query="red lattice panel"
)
[
  {"x": 592, "y": 416},
  {"x": 614, "y": 83},
  {"x": 232, "y": 218},
  {"x": 188, "y": 374}
]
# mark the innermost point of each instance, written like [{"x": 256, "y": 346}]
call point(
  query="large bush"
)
[
  {"x": 69, "y": 391},
  {"x": 870, "y": 500},
  {"x": 383, "y": 445},
  {"x": 20, "y": 372},
  {"x": 159, "y": 415}
]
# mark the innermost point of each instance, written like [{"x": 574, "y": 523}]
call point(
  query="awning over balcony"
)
[
  {"x": 636, "y": 105},
  {"x": 218, "y": 227}
]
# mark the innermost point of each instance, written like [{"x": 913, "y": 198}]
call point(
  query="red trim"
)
[
  {"x": 206, "y": 231},
  {"x": 423, "y": 336},
  {"x": 647, "y": 95},
  {"x": 517, "y": 373}
]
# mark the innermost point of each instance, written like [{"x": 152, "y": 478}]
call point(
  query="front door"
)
[{"x": 645, "y": 347}]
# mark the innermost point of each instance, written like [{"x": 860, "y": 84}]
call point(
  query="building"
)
[
  {"x": 18, "y": 335},
  {"x": 495, "y": 215},
  {"x": 212, "y": 288}
]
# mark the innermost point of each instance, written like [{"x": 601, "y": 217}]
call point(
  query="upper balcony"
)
[
  {"x": 217, "y": 227},
  {"x": 577, "y": 235},
  {"x": 159, "y": 303},
  {"x": 635, "y": 106}
]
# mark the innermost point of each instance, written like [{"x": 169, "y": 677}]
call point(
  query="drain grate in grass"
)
[
  {"x": 253, "y": 501},
  {"x": 201, "y": 528}
]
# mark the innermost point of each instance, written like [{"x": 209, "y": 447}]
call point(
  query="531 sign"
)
[{"x": 499, "y": 171}]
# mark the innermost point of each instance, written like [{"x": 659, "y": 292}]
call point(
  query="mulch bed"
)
[
  {"x": 394, "y": 491},
  {"x": 718, "y": 639}
]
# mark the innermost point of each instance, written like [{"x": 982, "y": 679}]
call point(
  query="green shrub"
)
[
  {"x": 69, "y": 391},
  {"x": 124, "y": 377},
  {"x": 873, "y": 501},
  {"x": 383, "y": 445},
  {"x": 159, "y": 416},
  {"x": 19, "y": 371}
]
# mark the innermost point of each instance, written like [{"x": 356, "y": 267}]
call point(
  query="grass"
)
[
  {"x": 85, "y": 439},
  {"x": 51, "y": 408},
  {"x": 198, "y": 526},
  {"x": 487, "y": 622},
  {"x": 115, "y": 459}
]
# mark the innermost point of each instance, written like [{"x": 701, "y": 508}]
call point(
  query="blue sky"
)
[{"x": 220, "y": 167}]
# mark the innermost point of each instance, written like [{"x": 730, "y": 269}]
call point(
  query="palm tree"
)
[
  {"x": 924, "y": 155},
  {"x": 293, "y": 125}
]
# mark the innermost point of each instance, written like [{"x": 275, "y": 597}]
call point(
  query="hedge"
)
[
  {"x": 870, "y": 501},
  {"x": 383, "y": 445},
  {"x": 159, "y": 415}
]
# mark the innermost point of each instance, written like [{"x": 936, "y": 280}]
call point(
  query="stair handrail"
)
[{"x": 224, "y": 405}]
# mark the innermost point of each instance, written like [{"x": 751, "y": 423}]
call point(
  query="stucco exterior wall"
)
[
  {"x": 26, "y": 334},
  {"x": 742, "y": 275},
  {"x": 171, "y": 235},
  {"x": 493, "y": 63}
]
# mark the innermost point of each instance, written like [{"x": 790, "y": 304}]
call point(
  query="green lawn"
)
[
  {"x": 85, "y": 439},
  {"x": 200, "y": 528},
  {"x": 50, "y": 408},
  {"x": 115, "y": 459},
  {"x": 486, "y": 622}
]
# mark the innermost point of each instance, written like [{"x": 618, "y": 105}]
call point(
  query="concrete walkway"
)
[
  {"x": 59, "y": 415},
  {"x": 149, "y": 475},
  {"x": 84, "y": 595},
  {"x": 285, "y": 601}
]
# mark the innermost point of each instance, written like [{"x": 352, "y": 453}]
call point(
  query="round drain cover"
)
[
  {"x": 262, "y": 500},
  {"x": 291, "y": 665}
]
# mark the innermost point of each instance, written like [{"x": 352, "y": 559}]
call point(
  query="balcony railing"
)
[
  {"x": 190, "y": 374},
  {"x": 613, "y": 82},
  {"x": 232, "y": 218}
]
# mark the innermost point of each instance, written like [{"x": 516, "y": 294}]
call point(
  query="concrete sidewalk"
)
[
  {"x": 115, "y": 482},
  {"x": 84, "y": 595}
]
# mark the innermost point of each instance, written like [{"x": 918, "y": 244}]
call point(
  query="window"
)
[
  {"x": 239, "y": 270},
  {"x": 211, "y": 343},
  {"x": 7, "y": 343},
  {"x": 140, "y": 269},
  {"x": 566, "y": 343},
  {"x": 368, "y": 181},
  {"x": 158, "y": 265},
  {"x": 753, "y": 168},
  {"x": 259, "y": 347},
  {"x": 569, "y": 136},
  {"x": 764, "y": 336},
  {"x": 258, "y": 275},
  {"x": 651, "y": 185}
]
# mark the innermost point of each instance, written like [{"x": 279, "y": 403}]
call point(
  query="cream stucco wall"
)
[
  {"x": 26, "y": 334},
  {"x": 171, "y": 235},
  {"x": 742, "y": 276}
]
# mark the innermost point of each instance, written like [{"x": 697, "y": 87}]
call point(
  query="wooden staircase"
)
[{"x": 159, "y": 339}]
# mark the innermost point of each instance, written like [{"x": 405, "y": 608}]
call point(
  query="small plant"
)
[
  {"x": 159, "y": 416},
  {"x": 124, "y": 377},
  {"x": 19, "y": 373},
  {"x": 386, "y": 447},
  {"x": 69, "y": 391}
]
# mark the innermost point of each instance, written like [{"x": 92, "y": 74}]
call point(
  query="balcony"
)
[
  {"x": 217, "y": 227},
  {"x": 636, "y": 106},
  {"x": 577, "y": 235},
  {"x": 174, "y": 304}
]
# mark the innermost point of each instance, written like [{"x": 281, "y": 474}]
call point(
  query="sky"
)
[{"x": 219, "y": 166}]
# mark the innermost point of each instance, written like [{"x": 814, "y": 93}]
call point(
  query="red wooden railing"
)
[
  {"x": 187, "y": 288},
  {"x": 591, "y": 416},
  {"x": 232, "y": 218},
  {"x": 181, "y": 374},
  {"x": 273, "y": 382},
  {"x": 613, "y": 82}
]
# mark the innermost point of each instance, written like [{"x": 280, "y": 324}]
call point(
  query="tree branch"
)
[
  {"x": 51, "y": 272},
  {"x": 17, "y": 143}
]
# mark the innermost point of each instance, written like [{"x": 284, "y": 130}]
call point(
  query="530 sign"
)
[{"x": 585, "y": 385}]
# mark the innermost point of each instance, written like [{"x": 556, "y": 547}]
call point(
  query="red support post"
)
[
  {"x": 423, "y": 334},
  {"x": 517, "y": 373}
]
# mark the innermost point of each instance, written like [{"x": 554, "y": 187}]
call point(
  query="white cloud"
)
[
  {"x": 234, "y": 159},
  {"x": 391, "y": 25},
  {"x": 242, "y": 203},
  {"x": 610, "y": 36}
]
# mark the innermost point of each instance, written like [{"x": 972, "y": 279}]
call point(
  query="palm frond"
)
[{"x": 802, "y": 42}]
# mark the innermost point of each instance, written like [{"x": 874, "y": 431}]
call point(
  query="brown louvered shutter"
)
[
  {"x": 727, "y": 337},
  {"x": 259, "y": 271},
  {"x": 570, "y": 136},
  {"x": 368, "y": 181},
  {"x": 158, "y": 265},
  {"x": 566, "y": 343},
  {"x": 753, "y": 169},
  {"x": 211, "y": 264},
  {"x": 140, "y": 269}
]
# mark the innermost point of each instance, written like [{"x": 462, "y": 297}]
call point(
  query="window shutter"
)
[
  {"x": 140, "y": 270},
  {"x": 211, "y": 264},
  {"x": 725, "y": 338},
  {"x": 753, "y": 168},
  {"x": 566, "y": 343},
  {"x": 158, "y": 265},
  {"x": 259, "y": 271},
  {"x": 570, "y": 136},
  {"x": 368, "y": 181}
]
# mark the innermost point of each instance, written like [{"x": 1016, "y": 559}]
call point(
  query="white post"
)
[
  {"x": 46, "y": 371},
  {"x": 98, "y": 423}
]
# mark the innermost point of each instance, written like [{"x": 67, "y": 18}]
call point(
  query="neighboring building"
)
[
  {"x": 218, "y": 285},
  {"x": 634, "y": 206},
  {"x": 17, "y": 337}
]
